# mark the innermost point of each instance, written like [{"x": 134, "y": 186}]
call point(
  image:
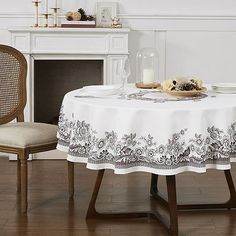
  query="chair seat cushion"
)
[{"x": 27, "y": 134}]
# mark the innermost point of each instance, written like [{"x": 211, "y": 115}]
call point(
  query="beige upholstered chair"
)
[{"x": 21, "y": 138}]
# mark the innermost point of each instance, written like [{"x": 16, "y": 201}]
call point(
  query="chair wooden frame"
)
[{"x": 18, "y": 114}]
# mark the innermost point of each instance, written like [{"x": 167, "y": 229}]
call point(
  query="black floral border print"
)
[{"x": 130, "y": 150}]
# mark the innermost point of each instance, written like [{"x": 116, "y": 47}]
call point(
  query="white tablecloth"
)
[{"x": 148, "y": 131}]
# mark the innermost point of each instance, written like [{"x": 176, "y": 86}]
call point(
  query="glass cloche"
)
[{"x": 147, "y": 67}]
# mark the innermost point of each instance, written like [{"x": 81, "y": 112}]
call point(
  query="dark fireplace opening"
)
[{"x": 54, "y": 78}]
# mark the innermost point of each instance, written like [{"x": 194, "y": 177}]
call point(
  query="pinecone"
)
[
  {"x": 81, "y": 11},
  {"x": 83, "y": 14},
  {"x": 90, "y": 18}
]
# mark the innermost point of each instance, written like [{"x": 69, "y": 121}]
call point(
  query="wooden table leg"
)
[
  {"x": 170, "y": 205},
  {"x": 172, "y": 202},
  {"x": 92, "y": 212},
  {"x": 230, "y": 182},
  {"x": 71, "y": 178},
  {"x": 154, "y": 182},
  {"x": 172, "y": 227},
  {"x": 231, "y": 203},
  {"x": 92, "y": 208}
]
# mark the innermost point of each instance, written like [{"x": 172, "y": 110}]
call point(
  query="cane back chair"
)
[{"x": 20, "y": 138}]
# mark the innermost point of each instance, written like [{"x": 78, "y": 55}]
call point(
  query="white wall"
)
[
  {"x": 193, "y": 37},
  {"x": 169, "y": 7}
]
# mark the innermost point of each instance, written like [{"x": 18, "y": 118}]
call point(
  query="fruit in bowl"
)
[{"x": 182, "y": 84}]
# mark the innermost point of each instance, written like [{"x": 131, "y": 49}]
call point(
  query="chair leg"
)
[
  {"x": 71, "y": 178},
  {"x": 18, "y": 175},
  {"x": 24, "y": 187}
]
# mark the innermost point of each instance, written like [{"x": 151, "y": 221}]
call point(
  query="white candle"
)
[
  {"x": 46, "y": 6},
  {"x": 55, "y": 18},
  {"x": 36, "y": 14},
  {"x": 55, "y": 3},
  {"x": 148, "y": 76}
]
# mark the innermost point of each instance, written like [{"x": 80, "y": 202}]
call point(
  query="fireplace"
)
[
  {"x": 48, "y": 50},
  {"x": 64, "y": 59},
  {"x": 54, "y": 78}
]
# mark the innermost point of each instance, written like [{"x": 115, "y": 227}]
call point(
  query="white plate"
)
[
  {"x": 100, "y": 90},
  {"x": 224, "y": 87}
]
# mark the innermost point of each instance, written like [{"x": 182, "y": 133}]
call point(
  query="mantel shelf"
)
[{"x": 68, "y": 30}]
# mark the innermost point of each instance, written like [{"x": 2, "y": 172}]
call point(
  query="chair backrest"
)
[{"x": 13, "y": 71}]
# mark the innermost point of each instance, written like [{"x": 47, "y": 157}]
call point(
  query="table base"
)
[{"x": 170, "y": 204}]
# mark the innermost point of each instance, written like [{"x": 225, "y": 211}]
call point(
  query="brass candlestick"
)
[
  {"x": 46, "y": 15},
  {"x": 36, "y": 4},
  {"x": 55, "y": 16}
]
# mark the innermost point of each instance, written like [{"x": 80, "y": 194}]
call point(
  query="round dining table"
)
[{"x": 150, "y": 131}]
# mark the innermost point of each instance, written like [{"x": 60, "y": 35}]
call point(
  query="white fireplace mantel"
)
[
  {"x": 70, "y": 40},
  {"x": 107, "y": 44}
]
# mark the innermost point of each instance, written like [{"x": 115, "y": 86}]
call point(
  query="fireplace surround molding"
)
[{"x": 107, "y": 44}]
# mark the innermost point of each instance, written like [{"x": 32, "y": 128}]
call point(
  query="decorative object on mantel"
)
[
  {"x": 78, "y": 19},
  {"x": 55, "y": 16},
  {"x": 84, "y": 17},
  {"x": 36, "y": 4},
  {"x": 116, "y": 23},
  {"x": 106, "y": 11},
  {"x": 78, "y": 24},
  {"x": 146, "y": 68},
  {"x": 46, "y": 15},
  {"x": 73, "y": 16}
]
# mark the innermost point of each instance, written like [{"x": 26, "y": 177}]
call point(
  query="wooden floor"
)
[{"x": 51, "y": 213}]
